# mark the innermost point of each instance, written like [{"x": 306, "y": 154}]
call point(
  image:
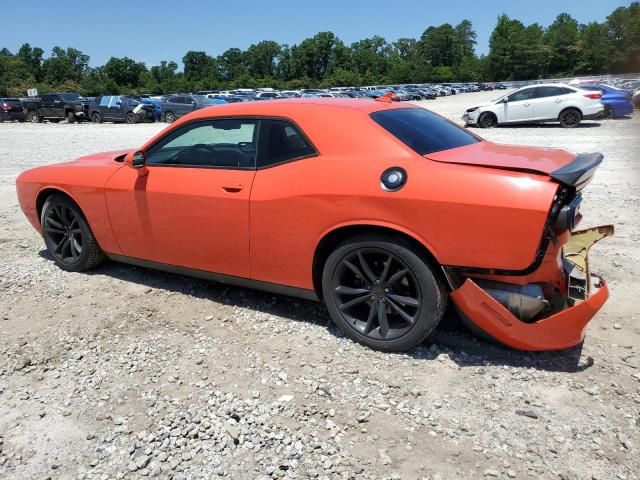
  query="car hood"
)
[
  {"x": 479, "y": 105},
  {"x": 97, "y": 158},
  {"x": 509, "y": 157}
]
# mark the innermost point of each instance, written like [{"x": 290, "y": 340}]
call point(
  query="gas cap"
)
[{"x": 393, "y": 179}]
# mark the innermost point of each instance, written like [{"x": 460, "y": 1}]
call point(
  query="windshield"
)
[{"x": 422, "y": 130}]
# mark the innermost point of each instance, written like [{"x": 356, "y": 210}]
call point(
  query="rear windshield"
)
[
  {"x": 10, "y": 101},
  {"x": 422, "y": 130}
]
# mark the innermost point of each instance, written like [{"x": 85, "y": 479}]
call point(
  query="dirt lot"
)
[{"x": 127, "y": 373}]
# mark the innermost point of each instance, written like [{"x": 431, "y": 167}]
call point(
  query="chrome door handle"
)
[{"x": 527, "y": 104}]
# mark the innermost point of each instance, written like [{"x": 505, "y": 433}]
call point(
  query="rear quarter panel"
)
[{"x": 464, "y": 215}]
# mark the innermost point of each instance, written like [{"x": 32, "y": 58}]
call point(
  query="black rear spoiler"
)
[{"x": 579, "y": 172}]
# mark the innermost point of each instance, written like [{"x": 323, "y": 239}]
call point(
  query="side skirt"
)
[{"x": 218, "y": 277}]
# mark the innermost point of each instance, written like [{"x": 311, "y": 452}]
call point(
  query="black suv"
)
[
  {"x": 57, "y": 106},
  {"x": 11, "y": 109},
  {"x": 120, "y": 108}
]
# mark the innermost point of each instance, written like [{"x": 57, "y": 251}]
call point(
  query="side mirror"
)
[{"x": 138, "y": 161}]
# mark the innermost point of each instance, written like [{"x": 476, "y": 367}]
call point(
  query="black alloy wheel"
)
[
  {"x": 68, "y": 236},
  {"x": 130, "y": 118},
  {"x": 487, "y": 120},
  {"x": 96, "y": 117},
  {"x": 570, "y": 118},
  {"x": 381, "y": 294}
]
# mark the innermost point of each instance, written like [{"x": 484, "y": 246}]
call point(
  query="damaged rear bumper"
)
[{"x": 586, "y": 293}]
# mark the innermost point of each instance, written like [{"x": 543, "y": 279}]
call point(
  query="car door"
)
[
  {"x": 548, "y": 101},
  {"x": 103, "y": 107},
  {"x": 115, "y": 109},
  {"x": 518, "y": 107},
  {"x": 48, "y": 104},
  {"x": 188, "y": 105},
  {"x": 192, "y": 208}
]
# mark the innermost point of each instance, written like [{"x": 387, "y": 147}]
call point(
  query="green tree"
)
[
  {"x": 125, "y": 71},
  {"x": 63, "y": 65},
  {"x": 624, "y": 31},
  {"x": 562, "y": 39},
  {"x": 32, "y": 57},
  {"x": 262, "y": 59},
  {"x": 596, "y": 49}
]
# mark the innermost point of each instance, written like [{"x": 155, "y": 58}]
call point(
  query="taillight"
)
[
  {"x": 593, "y": 96},
  {"x": 4, "y": 106}
]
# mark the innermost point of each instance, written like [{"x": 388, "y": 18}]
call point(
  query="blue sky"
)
[{"x": 154, "y": 30}]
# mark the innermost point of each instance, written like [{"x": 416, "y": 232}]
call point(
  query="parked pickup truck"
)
[{"x": 57, "y": 106}]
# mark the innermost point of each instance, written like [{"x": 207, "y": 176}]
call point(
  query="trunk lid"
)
[{"x": 563, "y": 166}]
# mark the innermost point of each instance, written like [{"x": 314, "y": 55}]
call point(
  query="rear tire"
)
[
  {"x": 608, "y": 113},
  {"x": 67, "y": 235},
  {"x": 130, "y": 118},
  {"x": 487, "y": 120},
  {"x": 33, "y": 117},
  {"x": 169, "y": 117},
  {"x": 381, "y": 293},
  {"x": 570, "y": 118}
]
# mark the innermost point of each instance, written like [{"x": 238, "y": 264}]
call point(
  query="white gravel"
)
[{"x": 129, "y": 373}]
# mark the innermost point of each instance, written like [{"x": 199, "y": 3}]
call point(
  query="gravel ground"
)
[{"x": 125, "y": 372}]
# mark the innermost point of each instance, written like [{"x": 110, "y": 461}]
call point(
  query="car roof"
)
[
  {"x": 282, "y": 107},
  {"x": 549, "y": 85}
]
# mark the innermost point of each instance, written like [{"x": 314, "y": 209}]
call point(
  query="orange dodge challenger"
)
[{"x": 382, "y": 210}]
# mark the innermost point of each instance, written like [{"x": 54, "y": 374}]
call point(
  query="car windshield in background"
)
[{"x": 422, "y": 130}]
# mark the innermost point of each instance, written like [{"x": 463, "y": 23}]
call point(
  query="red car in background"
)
[{"x": 384, "y": 211}]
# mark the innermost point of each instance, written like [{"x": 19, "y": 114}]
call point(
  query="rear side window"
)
[
  {"x": 104, "y": 101},
  {"x": 552, "y": 91},
  {"x": 48, "y": 98},
  {"x": 282, "y": 142},
  {"x": 422, "y": 130}
]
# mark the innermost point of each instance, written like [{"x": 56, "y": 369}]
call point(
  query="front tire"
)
[
  {"x": 71, "y": 118},
  {"x": 67, "y": 235},
  {"x": 487, "y": 120},
  {"x": 130, "y": 118},
  {"x": 381, "y": 293},
  {"x": 96, "y": 117},
  {"x": 570, "y": 118}
]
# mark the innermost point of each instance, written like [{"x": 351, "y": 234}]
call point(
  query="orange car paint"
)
[
  {"x": 562, "y": 330},
  {"x": 464, "y": 205}
]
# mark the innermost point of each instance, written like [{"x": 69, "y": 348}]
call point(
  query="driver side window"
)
[
  {"x": 223, "y": 143},
  {"x": 522, "y": 95}
]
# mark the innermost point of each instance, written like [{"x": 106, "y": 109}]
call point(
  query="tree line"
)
[{"x": 445, "y": 53}]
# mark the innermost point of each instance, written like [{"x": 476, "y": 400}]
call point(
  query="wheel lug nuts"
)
[
  {"x": 373, "y": 297},
  {"x": 377, "y": 282},
  {"x": 384, "y": 300},
  {"x": 386, "y": 290}
]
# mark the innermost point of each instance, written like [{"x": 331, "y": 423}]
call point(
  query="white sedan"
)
[{"x": 538, "y": 103}]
